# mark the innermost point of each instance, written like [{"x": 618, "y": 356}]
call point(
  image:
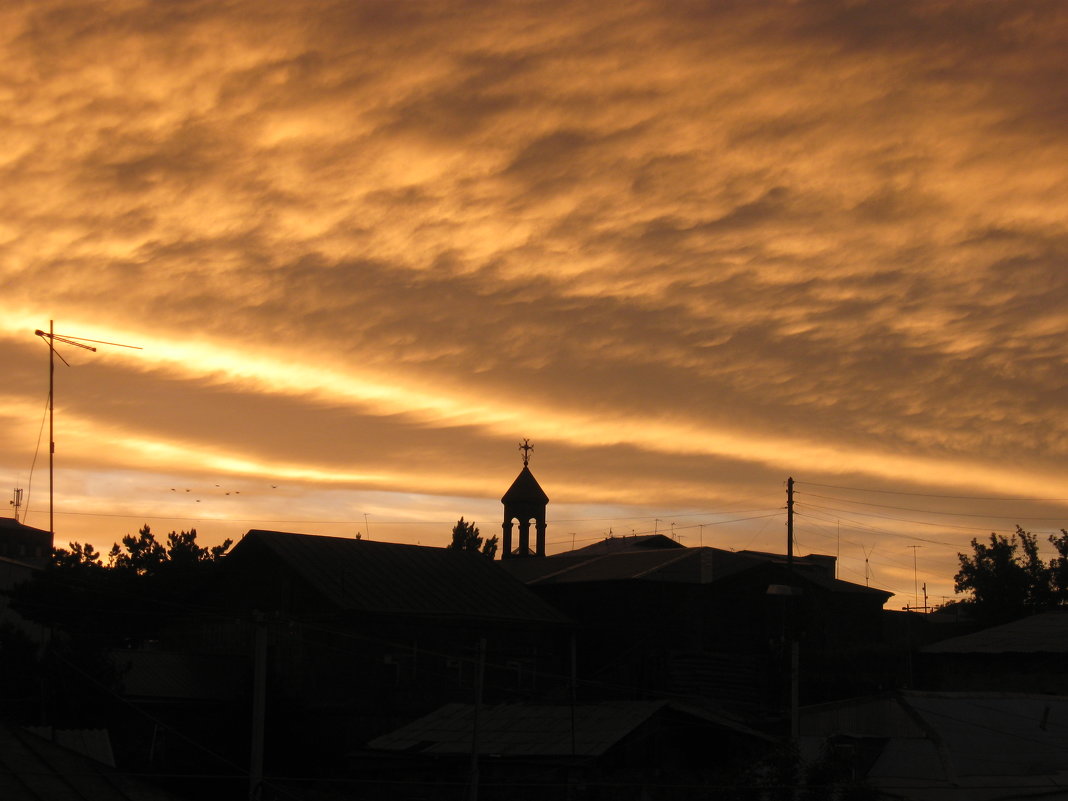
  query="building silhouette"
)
[{"x": 525, "y": 501}]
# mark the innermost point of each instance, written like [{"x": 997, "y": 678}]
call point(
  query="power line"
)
[
  {"x": 884, "y": 531},
  {"x": 926, "y": 511},
  {"x": 931, "y": 495},
  {"x": 901, "y": 520}
]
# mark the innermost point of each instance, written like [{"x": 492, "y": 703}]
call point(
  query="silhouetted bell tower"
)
[{"x": 524, "y": 501}]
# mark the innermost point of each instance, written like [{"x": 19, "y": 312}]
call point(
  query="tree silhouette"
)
[
  {"x": 146, "y": 556},
  {"x": 1007, "y": 577},
  {"x": 465, "y": 537}
]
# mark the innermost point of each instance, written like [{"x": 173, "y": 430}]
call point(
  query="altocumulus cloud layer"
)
[{"x": 689, "y": 248}]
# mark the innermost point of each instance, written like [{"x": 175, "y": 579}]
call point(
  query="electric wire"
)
[
  {"x": 929, "y": 494},
  {"x": 36, "y": 451},
  {"x": 901, "y": 520},
  {"x": 925, "y": 511}
]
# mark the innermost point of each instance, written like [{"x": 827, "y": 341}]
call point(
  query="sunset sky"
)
[{"x": 688, "y": 249}]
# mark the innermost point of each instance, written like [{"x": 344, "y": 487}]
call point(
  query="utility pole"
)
[
  {"x": 793, "y": 619},
  {"x": 51, "y": 338},
  {"x": 790, "y": 523}
]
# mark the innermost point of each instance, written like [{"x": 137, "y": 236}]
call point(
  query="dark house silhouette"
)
[
  {"x": 658, "y": 618},
  {"x": 367, "y": 635},
  {"x": 1027, "y": 655},
  {"x": 22, "y": 543}
]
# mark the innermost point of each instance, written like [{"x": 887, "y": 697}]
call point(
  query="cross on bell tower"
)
[{"x": 524, "y": 501}]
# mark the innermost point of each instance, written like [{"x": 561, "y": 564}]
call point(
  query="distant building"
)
[
  {"x": 659, "y": 618},
  {"x": 23, "y": 543},
  {"x": 1027, "y": 655}
]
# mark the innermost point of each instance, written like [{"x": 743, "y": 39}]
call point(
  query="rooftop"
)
[
  {"x": 671, "y": 564},
  {"x": 1043, "y": 633},
  {"x": 391, "y": 578},
  {"x": 530, "y": 730}
]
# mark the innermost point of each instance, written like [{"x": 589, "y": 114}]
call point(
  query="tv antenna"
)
[
  {"x": 50, "y": 338},
  {"x": 867, "y": 566}
]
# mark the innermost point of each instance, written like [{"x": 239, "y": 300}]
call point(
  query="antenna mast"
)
[
  {"x": 51, "y": 338},
  {"x": 16, "y": 501}
]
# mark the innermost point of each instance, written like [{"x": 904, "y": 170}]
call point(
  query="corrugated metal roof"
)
[
  {"x": 391, "y": 578},
  {"x": 535, "y": 730},
  {"x": 1043, "y": 633},
  {"x": 997, "y": 734},
  {"x": 34, "y": 769},
  {"x": 521, "y": 729},
  {"x": 1012, "y": 743}
]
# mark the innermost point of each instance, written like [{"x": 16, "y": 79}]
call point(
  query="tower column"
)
[
  {"x": 539, "y": 525},
  {"x": 506, "y": 538}
]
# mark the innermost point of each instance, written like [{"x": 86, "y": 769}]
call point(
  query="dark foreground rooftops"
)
[
  {"x": 674, "y": 564},
  {"x": 1042, "y": 633},
  {"x": 388, "y": 578},
  {"x": 538, "y": 730}
]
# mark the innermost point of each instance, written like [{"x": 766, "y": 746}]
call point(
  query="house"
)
[
  {"x": 936, "y": 746},
  {"x": 367, "y": 635},
  {"x": 656, "y": 617},
  {"x": 1026, "y": 655},
  {"x": 617, "y": 749},
  {"x": 26, "y": 544}
]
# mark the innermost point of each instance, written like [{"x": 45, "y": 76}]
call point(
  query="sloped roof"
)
[
  {"x": 685, "y": 565},
  {"x": 1042, "y": 633},
  {"x": 638, "y": 542},
  {"x": 34, "y": 769},
  {"x": 8, "y": 524},
  {"x": 997, "y": 745},
  {"x": 525, "y": 489},
  {"x": 395, "y": 579},
  {"x": 532, "y": 730}
]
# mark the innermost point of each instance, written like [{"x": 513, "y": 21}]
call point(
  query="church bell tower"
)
[{"x": 524, "y": 501}]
